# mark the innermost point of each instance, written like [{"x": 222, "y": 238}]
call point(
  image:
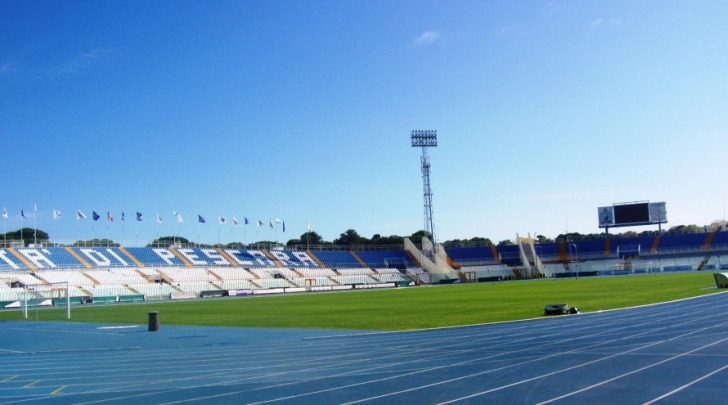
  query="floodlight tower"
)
[{"x": 425, "y": 139}]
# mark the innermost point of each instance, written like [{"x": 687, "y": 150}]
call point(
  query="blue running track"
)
[{"x": 674, "y": 353}]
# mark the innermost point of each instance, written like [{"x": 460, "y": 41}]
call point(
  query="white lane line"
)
[
  {"x": 631, "y": 372},
  {"x": 431, "y": 369},
  {"x": 566, "y": 369},
  {"x": 676, "y": 390},
  {"x": 418, "y": 371}
]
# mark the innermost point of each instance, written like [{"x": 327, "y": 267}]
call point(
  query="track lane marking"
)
[
  {"x": 31, "y": 384},
  {"x": 678, "y": 389},
  {"x": 631, "y": 372}
]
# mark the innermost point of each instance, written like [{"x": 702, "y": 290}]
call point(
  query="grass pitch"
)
[{"x": 401, "y": 308}]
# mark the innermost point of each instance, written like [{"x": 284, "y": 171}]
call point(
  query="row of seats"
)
[
  {"x": 108, "y": 257},
  {"x": 612, "y": 247},
  {"x": 167, "y": 280}
]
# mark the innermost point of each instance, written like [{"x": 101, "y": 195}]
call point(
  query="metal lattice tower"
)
[{"x": 425, "y": 139}]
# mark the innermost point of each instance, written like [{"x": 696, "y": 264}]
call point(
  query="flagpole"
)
[
  {"x": 159, "y": 222},
  {"x": 35, "y": 224},
  {"x": 197, "y": 227}
]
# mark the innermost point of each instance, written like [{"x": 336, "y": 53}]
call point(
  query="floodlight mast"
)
[{"x": 426, "y": 139}]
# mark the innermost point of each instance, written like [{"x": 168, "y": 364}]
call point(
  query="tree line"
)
[{"x": 351, "y": 237}]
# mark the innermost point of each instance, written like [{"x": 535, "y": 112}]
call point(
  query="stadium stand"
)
[
  {"x": 319, "y": 272},
  {"x": 112, "y": 274},
  {"x": 474, "y": 256},
  {"x": 336, "y": 258},
  {"x": 720, "y": 240},
  {"x": 155, "y": 256},
  {"x": 672, "y": 243},
  {"x": 355, "y": 271},
  {"x": 386, "y": 258}
]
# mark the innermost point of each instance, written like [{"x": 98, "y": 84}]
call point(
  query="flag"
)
[
  {"x": 278, "y": 220},
  {"x": 284, "y": 225},
  {"x": 260, "y": 223},
  {"x": 35, "y": 208},
  {"x": 22, "y": 214},
  {"x": 5, "y": 213},
  {"x": 95, "y": 216},
  {"x": 56, "y": 214},
  {"x": 246, "y": 221},
  {"x": 179, "y": 218},
  {"x": 200, "y": 219},
  {"x": 308, "y": 225},
  {"x": 109, "y": 217},
  {"x": 80, "y": 214},
  {"x": 122, "y": 216},
  {"x": 235, "y": 221},
  {"x": 159, "y": 219},
  {"x": 222, "y": 220},
  {"x": 270, "y": 222},
  {"x": 139, "y": 216}
]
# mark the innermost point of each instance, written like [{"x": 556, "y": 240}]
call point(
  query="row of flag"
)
[
  {"x": 22, "y": 212},
  {"x": 139, "y": 216}
]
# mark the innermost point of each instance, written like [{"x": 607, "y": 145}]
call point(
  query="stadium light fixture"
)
[{"x": 426, "y": 139}]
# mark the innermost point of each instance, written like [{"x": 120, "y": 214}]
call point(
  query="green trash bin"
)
[{"x": 153, "y": 321}]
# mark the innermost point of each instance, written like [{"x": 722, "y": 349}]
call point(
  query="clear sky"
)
[{"x": 302, "y": 110}]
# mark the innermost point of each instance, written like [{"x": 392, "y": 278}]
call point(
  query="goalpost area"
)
[{"x": 45, "y": 295}]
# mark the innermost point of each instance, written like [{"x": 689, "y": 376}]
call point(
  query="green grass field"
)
[{"x": 401, "y": 308}]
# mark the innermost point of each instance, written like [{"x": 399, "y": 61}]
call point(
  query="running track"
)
[{"x": 674, "y": 353}]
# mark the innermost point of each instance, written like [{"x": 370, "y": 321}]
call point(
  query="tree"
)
[
  {"x": 479, "y": 241},
  {"x": 311, "y": 238},
  {"x": 416, "y": 237},
  {"x": 687, "y": 229},
  {"x": 96, "y": 242},
  {"x": 719, "y": 224},
  {"x": 235, "y": 245},
  {"x": 294, "y": 242},
  {"x": 392, "y": 240},
  {"x": 350, "y": 238},
  {"x": 30, "y": 235},
  {"x": 169, "y": 240}
]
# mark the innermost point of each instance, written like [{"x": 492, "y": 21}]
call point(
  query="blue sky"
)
[{"x": 302, "y": 110}]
